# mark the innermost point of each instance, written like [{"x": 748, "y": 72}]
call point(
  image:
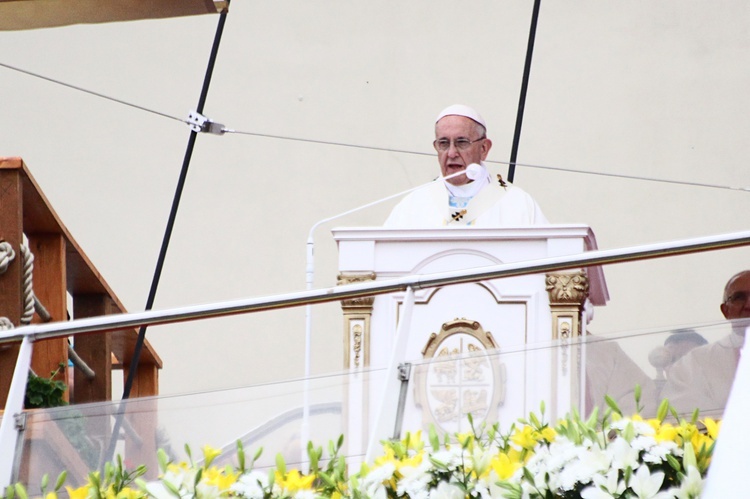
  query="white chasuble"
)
[{"x": 493, "y": 206}]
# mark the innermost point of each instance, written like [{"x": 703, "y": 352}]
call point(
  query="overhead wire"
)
[
  {"x": 91, "y": 92},
  {"x": 507, "y": 163},
  {"x": 377, "y": 148}
]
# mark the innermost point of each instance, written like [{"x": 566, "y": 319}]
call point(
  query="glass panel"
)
[
  {"x": 270, "y": 416},
  {"x": 461, "y": 378}
]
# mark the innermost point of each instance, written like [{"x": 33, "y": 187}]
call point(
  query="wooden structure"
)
[{"x": 61, "y": 268}]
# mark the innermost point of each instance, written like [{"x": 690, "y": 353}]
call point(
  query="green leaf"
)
[
  {"x": 612, "y": 404},
  {"x": 171, "y": 488},
  {"x": 688, "y": 458},
  {"x": 438, "y": 464},
  {"x": 163, "y": 459},
  {"x": 661, "y": 412},
  {"x": 21, "y": 491},
  {"x": 674, "y": 463},
  {"x": 527, "y": 475},
  {"x": 189, "y": 454},
  {"x": 257, "y": 454},
  {"x": 61, "y": 480},
  {"x": 240, "y": 456},
  {"x": 280, "y": 464},
  {"x": 591, "y": 421},
  {"x": 327, "y": 479},
  {"x": 433, "y": 437},
  {"x": 534, "y": 421}
]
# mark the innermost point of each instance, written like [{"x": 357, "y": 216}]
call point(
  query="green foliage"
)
[{"x": 45, "y": 392}]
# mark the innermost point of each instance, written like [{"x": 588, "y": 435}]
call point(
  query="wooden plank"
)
[
  {"x": 94, "y": 350},
  {"x": 146, "y": 382},
  {"x": 49, "y": 287},
  {"x": 11, "y": 306},
  {"x": 81, "y": 275}
]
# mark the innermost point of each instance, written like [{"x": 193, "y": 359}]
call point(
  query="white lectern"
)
[{"x": 475, "y": 319}]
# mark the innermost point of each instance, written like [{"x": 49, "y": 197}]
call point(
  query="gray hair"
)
[{"x": 730, "y": 281}]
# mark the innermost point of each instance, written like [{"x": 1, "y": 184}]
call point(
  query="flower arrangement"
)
[{"x": 594, "y": 458}]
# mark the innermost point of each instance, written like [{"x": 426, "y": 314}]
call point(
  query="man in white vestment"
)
[
  {"x": 702, "y": 379},
  {"x": 461, "y": 140}
]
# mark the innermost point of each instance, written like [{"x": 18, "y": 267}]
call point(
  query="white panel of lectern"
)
[{"x": 471, "y": 318}]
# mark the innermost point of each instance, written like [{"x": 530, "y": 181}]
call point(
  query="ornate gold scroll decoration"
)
[
  {"x": 357, "y": 334},
  {"x": 462, "y": 377},
  {"x": 357, "y": 315}
]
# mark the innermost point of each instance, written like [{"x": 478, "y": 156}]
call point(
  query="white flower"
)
[
  {"x": 646, "y": 486},
  {"x": 640, "y": 427},
  {"x": 596, "y": 493},
  {"x": 157, "y": 490},
  {"x": 643, "y": 443},
  {"x": 452, "y": 457},
  {"x": 305, "y": 494},
  {"x": 605, "y": 486},
  {"x": 251, "y": 485},
  {"x": 446, "y": 490},
  {"x": 372, "y": 483},
  {"x": 691, "y": 487},
  {"x": 623, "y": 455},
  {"x": 415, "y": 479},
  {"x": 206, "y": 491},
  {"x": 658, "y": 453}
]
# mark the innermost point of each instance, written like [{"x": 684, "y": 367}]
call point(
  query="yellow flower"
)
[
  {"x": 504, "y": 466},
  {"x": 220, "y": 478},
  {"x": 209, "y": 454},
  {"x": 294, "y": 481},
  {"x": 51, "y": 495},
  {"x": 412, "y": 461},
  {"x": 79, "y": 493},
  {"x": 414, "y": 440},
  {"x": 712, "y": 427},
  {"x": 388, "y": 457},
  {"x": 665, "y": 432},
  {"x": 525, "y": 438},
  {"x": 549, "y": 434},
  {"x": 466, "y": 440},
  {"x": 128, "y": 493}
]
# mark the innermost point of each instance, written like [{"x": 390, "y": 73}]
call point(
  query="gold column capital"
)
[
  {"x": 567, "y": 292},
  {"x": 364, "y": 302}
]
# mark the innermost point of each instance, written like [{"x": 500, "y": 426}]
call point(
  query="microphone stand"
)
[{"x": 309, "y": 277}]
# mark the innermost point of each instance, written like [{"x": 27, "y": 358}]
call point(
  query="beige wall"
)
[{"x": 657, "y": 89}]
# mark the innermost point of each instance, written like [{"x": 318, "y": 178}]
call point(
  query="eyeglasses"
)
[
  {"x": 738, "y": 298},
  {"x": 460, "y": 143}
]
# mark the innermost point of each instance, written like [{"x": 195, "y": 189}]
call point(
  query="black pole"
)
[
  {"x": 167, "y": 236},
  {"x": 524, "y": 88}
]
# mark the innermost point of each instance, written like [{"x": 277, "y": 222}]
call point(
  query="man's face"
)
[
  {"x": 737, "y": 304},
  {"x": 453, "y": 160}
]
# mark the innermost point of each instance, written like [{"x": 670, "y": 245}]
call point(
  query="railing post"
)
[{"x": 9, "y": 432}]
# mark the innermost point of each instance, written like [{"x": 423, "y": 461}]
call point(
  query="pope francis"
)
[{"x": 474, "y": 199}]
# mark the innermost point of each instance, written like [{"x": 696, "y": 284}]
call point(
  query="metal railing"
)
[{"x": 9, "y": 433}]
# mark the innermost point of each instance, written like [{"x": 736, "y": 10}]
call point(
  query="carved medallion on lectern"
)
[{"x": 463, "y": 375}]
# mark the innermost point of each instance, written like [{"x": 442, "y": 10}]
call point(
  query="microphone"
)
[{"x": 473, "y": 172}]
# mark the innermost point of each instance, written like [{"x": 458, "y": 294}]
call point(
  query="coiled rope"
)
[
  {"x": 28, "y": 282},
  {"x": 31, "y": 302}
]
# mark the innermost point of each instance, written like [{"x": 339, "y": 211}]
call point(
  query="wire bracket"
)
[{"x": 199, "y": 123}]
